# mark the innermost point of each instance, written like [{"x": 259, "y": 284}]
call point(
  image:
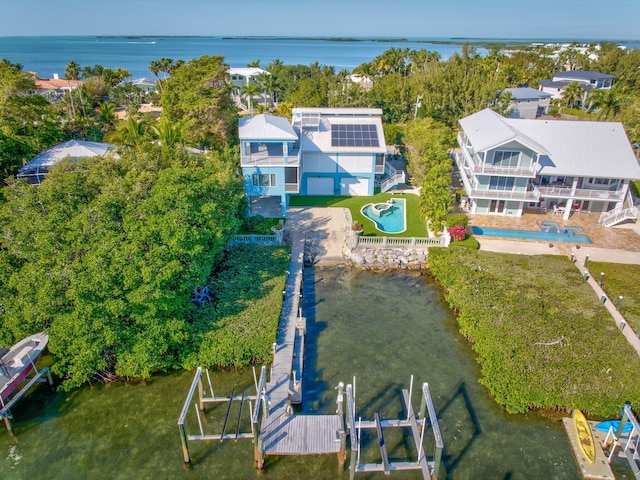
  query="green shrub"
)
[
  {"x": 469, "y": 242},
  {"x": 635, "y": 188},
  {"x": 457, "y": 220},
  {"x": 542, "y": 337},
  {"x": 258, "y": 225}
]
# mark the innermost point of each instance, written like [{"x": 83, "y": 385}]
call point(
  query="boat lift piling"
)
[
  {"x": 430, "y": 469},
  {"x": 196, "y": 385},
  {"x": 5, "y": 411}
]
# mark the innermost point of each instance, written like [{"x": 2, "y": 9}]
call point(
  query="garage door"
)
[
  {"x": 320, "y": 186},
  {"x": 354, "y": 186}
]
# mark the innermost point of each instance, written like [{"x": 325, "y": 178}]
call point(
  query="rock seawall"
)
[{"x": 399, "y": 258}]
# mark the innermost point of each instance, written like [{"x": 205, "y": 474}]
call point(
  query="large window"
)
[
  {"x": 501, "y": 183},
  {"x": 264, "y": 180},
  {"x": 506, "y": 159}
]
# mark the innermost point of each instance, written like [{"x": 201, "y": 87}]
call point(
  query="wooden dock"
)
[
  {"x": 600, "y": 469},
  {"x": 282, "y": 432}
]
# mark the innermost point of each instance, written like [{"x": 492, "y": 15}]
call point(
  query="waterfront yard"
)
[
  {"x": 621, "y": 280},
  {"x": 416, "y": 226},
  {"x": 542, "y": 337}
]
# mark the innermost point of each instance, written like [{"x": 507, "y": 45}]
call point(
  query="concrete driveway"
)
[{"x": 325, "y": 231}]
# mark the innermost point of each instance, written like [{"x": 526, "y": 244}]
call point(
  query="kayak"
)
[
  {"x": 604, "y": 426},
  {"x": 584, "y": 436}
]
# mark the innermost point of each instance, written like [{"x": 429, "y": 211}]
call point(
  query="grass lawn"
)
[
  {"x": 621, "y": 280},
  {"x": 416, "y": 226}
]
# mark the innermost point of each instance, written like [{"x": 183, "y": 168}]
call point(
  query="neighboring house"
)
[
  {"x": 587, "y": 80},
  {"x": 243, "y": 76},
  {"x": 54, "y": 88},
  {"x": 324, "y": 151},
  {"x": 147, "y": 85},
  {"x": 365, "y": 83},
  {"x": 508, "y": 165},
  {"x": 528, "y": 102},
  {"x": 35, "y": 171}
]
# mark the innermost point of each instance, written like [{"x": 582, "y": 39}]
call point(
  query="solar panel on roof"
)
[{"x": 354, "y": 135}]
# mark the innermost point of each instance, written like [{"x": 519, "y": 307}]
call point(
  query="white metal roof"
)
[
  {"x": 587, "y": 149},
  {"x": 72, "y": 148},
  {"x": 486, "y": 130},
  {"x": 247, "y": 71},
  {"x": 266, "y": 127}
]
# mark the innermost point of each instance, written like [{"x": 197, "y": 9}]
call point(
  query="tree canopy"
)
[
  {"x": 106, "y": 253},
  {"x": 198, "y": 95}
]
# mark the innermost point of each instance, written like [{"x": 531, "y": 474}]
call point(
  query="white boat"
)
[{"x": 18, "y": 361}]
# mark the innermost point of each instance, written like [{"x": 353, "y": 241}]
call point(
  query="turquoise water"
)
[
  {"x": 561, "y": 235},
  {"x": 380, "y": 327},
  {"x": 392, "y": 218},
  {"x": 49, "y": 55}
]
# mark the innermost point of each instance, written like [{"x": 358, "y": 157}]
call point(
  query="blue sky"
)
[{"x": 543, "y": 19}]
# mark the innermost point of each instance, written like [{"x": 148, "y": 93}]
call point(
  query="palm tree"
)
[
  {"x": 608, "y": 103},
  {"x": 572, "y": 94},
  {"x": 71, "y": 72},
  {"x": 130, "y": 132},
  {"x": 254, "y": 64},
  {"x": 107, "y": 113},
  {"x": 169, "y": 134},
  {"x": 250, "y": 90}
]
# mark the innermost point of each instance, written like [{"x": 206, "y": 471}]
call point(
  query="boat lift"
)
[
  {"x": 5, "y": 410},
  {"x": 628, "y": 443},
  {"x": 430, "y": 469},
  {"x": 200, "y": 407}
]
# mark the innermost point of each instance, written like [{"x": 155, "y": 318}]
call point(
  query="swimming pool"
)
[
  {"x": 388, "y": 217},
  {"x": 562, "y": 235}
]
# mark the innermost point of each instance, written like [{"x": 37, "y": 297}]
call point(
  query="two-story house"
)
[
  {"x": 587, "y": 80},
  {"x": 324, "y": 151},
  {"x": 508, "y": 165},
  {"x": 526, "y": 102}
]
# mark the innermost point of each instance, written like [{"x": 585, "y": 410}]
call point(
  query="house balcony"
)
[
  {"x": 262, "y": 159},
  {"x": 581, "y": 193},
  {"x": 530, "y": 195},
  {"x": 465, "y": 161}
]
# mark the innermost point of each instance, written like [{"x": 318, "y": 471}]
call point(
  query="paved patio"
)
[{"x": 619, "y": 244}]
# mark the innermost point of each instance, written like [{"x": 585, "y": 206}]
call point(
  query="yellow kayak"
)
[{"x": 584, "y": 436}]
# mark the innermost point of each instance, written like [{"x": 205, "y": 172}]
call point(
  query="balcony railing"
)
[
  {"x": 581, "y": 193},
  {"x": 262, "y": 159},
  {"x": 520, "y": 196}
]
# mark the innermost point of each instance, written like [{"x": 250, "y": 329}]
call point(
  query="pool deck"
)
[{"x": 619, "y": 244}]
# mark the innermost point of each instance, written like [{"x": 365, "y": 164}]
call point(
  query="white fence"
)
[
  {"x": 390, "y": 242},
  {"x": 275, "y": 239}
]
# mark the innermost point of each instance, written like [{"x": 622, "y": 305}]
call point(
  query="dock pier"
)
[{"x": 277, "y": 430}]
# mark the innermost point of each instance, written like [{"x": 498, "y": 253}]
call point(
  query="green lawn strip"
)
[
  {"x": 416, "y": 226},
  {"x": 512, "y": 308},
  {"x": 239, "y": 327},
  {"x": 621, "y": 280}
]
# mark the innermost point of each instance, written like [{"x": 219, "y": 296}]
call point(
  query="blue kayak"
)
[{"x": 604, "y": 426}]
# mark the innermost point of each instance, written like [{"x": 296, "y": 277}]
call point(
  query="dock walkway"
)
[{"x": 282, "y": 432}]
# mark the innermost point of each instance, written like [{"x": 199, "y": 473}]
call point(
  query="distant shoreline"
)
[{"x": 476, "y": 41}]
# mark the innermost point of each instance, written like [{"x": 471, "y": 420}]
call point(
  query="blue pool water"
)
[
  {"x": 391, "y": 218},
  {"x": 560, "y": 235}
]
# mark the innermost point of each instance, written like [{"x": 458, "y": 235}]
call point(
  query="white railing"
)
[
  {"x": 386, "y": 242},
  {"x": 581, "y": 193},
  {"x": 610, "y": 218},
  {"x": 275, "y": 239},
  {"x": 265, "y": 159},
  {"x": 392, "y": 181}
]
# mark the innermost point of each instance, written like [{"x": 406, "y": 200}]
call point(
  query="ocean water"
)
[{"x": 49, "y": 55}]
